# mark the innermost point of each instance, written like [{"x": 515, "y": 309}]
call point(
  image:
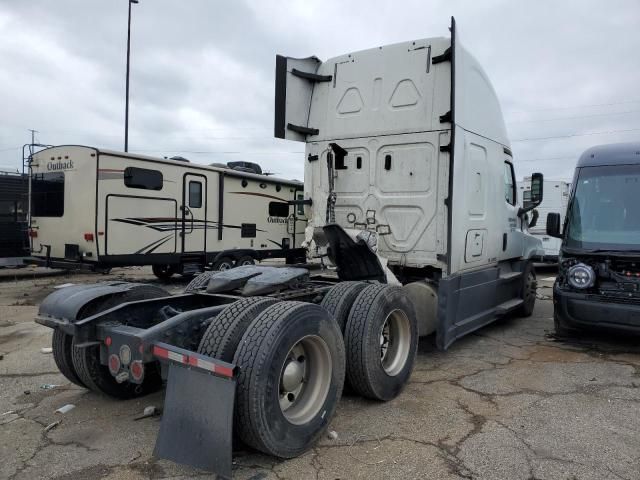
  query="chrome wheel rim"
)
[
  {"x": 305, "y": 379},
  {"x": 395, "y": 342},
  {"x": 224, "y": 266}
]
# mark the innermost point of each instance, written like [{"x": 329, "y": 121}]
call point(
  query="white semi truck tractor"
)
[{"x": 410, "y": 192}]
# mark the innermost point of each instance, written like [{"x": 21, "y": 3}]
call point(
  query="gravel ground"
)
[{"x": 508, "y": 402}]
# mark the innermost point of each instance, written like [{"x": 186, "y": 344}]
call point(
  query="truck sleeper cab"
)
[
  {"x": 410, "y": 192},
  {"x": 598, "y": 283}
]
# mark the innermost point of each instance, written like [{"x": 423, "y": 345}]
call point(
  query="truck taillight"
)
[
  {"x": 114, "y": 364},
  {"x": 33, "y": 233},
  {"x": 137, "y": 370},
  {"x": 88, "y": 237}
]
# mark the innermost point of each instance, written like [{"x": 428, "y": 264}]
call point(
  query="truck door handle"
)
[{"x": 504, "y": 242}]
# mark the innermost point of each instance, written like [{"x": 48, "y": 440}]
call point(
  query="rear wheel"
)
[
  {"x": 340, "y": 298},
  {"x": 246, "y": 260},
  {"x": 222, "y": 337},
  {"x": 222, "y": 264},
  {"x": 163, "y": 272},
  {"x": 63, "y": 356},
  {"x": 381, "y": 340},
  {"x": 291, "y": 361},
  {"x": 86, "y": 360}
]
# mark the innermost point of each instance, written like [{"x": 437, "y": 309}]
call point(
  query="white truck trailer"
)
[
  {"x": 96, "y": 209},
  {"x": 556, "y": 199},
  {"x": 409, "y": 191}
]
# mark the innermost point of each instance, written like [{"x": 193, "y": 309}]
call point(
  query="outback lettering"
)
[{"x": 59, "y": 165}]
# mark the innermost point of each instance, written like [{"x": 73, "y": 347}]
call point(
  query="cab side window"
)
[{"x": 509, "y": 184}]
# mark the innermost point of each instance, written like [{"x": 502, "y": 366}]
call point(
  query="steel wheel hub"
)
[
  {"x": 395, "y": 342},
  {"x": 305, "y": 379}
]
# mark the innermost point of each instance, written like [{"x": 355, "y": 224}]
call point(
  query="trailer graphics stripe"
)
[
  {"x": 154, "y": 245},
  {"x": 257, "y": 194},
  {"x": 162, "y": 224}
]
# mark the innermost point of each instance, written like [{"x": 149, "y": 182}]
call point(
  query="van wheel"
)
[
  {"x": 222, "y": 337},
  {"x": 63, "y": 356},
  {"x": 163, "y": 272},
  {"x": 225, "y": 263},
  {"x": 246, "y": 260},
  {"x": 528, "y": 293},
  {"x": 340, "y": 298},
  {"x": 94, "y": 375},
  {"x": 292, "y": 364},
  {"x": 381, "y": 339}
]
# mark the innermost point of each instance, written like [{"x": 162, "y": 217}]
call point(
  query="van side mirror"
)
[
  {"x": 537, "y": 182},
  {"x": 553, "y": 225}
]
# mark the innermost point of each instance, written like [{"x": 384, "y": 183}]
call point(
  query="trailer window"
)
[
  {"x": 47, "y": 194},
  {"x": 278, "y": 209},
  {"x": 195, "y": 194},
  {"x": 509, "y": 184},
  {"x": 143, "y": 178}
]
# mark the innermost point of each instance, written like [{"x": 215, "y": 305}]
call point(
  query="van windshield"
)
[{"x": 604, "y": 213}]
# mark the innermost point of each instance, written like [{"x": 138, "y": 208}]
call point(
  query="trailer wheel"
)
[
  {"x": 292, "y": 364},
  {"x": 381, "y": 339},
  {"x": 86, "y": 361},
  {"x": 61, "y": 345},
  {"x": 246, "y": 260},
  {"x": 163, "y": 272},
  {"x": 222, "y": 264},
  {"x": 222, "y": 337},
  {"x": 528, "y": 294},
  {"x": 340, "y": 298}
]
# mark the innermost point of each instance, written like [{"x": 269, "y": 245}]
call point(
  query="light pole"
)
[{"x": 126, "y": 105}]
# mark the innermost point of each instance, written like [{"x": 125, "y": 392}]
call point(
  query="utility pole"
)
[
  {"x": 33, "y": 142},
  {"x": 126, "y": 107}
]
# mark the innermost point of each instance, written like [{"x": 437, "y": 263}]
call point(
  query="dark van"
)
[{"x": 598, "y": 283}]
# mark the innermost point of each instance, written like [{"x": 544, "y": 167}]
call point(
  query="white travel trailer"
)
[
  {"x": 409, "y": 190},
  {"x": 556, "y": 198},
  {"x": 94, "y": 208}
]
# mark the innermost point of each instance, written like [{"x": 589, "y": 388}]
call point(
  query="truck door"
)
[
  {"x": 510, "y": 242},
  {"x": 194, "y": 213}
]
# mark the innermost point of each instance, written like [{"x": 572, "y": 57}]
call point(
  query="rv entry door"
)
[{"x": 194, "y": 213}]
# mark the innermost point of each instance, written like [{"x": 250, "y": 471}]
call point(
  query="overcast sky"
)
[{"x": 202, "y": 79}]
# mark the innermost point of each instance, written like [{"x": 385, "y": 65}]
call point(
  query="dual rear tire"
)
[
  {"x": 82, "y": 366},
  {"x": 291, "y": 362}
]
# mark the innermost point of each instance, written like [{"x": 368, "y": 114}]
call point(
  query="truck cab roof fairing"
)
[{"x": 384, "y": 91}]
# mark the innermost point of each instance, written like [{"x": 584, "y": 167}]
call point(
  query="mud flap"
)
[{"x": 197, "y": 423}]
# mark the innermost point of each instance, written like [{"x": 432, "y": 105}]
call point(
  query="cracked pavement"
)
[{"x": 508, "y": 402}]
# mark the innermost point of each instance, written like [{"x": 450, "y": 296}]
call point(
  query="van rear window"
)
[
  {"x": 47, "y": 194},
  {"x": 143, "y": 178}
]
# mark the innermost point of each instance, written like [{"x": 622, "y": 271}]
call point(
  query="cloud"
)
[{"x": 202, "y": 77}]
